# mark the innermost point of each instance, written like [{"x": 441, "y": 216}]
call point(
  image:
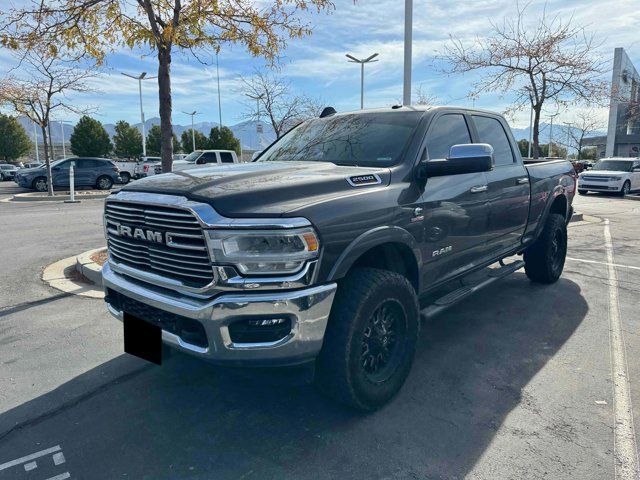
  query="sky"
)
[{"x": 317, "y": 66}]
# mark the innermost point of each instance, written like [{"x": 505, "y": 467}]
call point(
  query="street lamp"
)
[
  {"x": 551, "y": 133},
  {"x": 142, "y": 76},
  {"x": 219, "y": 101},
  {"x": 353, "y": 59},
  {"x": 193, "y": 133},
  {"x": 35, "y": 139}
]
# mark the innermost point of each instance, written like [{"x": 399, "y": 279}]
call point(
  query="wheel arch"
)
[{"x": 389, "y": 248}]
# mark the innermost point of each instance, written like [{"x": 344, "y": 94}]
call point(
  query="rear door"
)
[
  {"x": 85, "y": 171},
  {"x": 508, "y": 190},
  {"x": 226, "y": 157},
  {"x": 454, "y": 207}
]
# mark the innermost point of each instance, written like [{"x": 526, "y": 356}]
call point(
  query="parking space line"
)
[
  {"x": 618, "y": 265},
  {"x": 62, "y": 476},
  {"x": 625, "y": 449},
  {"x": 28, "y": 458}
]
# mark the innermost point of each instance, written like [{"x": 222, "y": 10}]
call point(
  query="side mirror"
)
[
  {"x": 200, "y": 161},
  {"x": 465, "y": 158}
]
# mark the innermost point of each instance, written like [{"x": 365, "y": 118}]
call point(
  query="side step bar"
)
[{"x": 463, "y": 292}]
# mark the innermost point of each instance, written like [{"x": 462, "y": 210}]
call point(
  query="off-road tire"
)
[
  {"x": 544, "y": 260},
  {"x": 104, "y": 183},
  {"x": 340, "y": 372}
]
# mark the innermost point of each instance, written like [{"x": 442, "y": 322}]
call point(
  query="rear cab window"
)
[{"x": 491, "y": 131}]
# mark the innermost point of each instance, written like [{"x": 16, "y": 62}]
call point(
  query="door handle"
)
[
  {"x": 479, "y": 188},
  {"x": 522, "y": 181}
]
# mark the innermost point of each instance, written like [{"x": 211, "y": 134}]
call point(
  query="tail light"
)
[{"x": 145, "y": 168}]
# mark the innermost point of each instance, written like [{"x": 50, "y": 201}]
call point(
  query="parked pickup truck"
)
[
  {"x": 323, "y": 251},
  {"x": 201, "y": 159}
]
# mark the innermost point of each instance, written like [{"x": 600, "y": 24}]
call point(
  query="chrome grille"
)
[
  {"x": 591, "y": 178},
  {"x": 181, "y": 255}
]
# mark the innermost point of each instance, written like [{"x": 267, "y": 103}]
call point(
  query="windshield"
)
[
  {"x": 193, "y": 156},
  {"x": 614, "y": 165},
  {"x": 364, "y": 139}
]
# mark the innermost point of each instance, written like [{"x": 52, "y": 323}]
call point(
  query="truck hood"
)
[{"x": 264, "y": 188}]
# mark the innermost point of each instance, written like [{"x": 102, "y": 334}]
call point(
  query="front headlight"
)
[
  {"x": 615, "y": 178},
  {"x": 257, "y": 252}
]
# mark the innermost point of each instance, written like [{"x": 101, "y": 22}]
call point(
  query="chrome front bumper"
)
[{"x": 308, "y": 309}]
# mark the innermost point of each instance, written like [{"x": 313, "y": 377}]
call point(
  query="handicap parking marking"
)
[{"x": 29, "y": 462}]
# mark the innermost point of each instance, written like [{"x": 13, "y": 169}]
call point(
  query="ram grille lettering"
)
[{"x": 140, "y": 234}]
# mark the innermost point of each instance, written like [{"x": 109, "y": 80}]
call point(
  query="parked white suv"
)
[
  {"x": 203, "y": 158},
  {"x": 621, "y": 175}
]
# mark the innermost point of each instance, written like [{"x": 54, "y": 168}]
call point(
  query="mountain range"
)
[{"x": 251, "y": 140}]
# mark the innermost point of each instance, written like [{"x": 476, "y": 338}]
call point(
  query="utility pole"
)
[
  {"x": 408, "y": 42},
  {"x": 193, "y": 132},
  {"x": 551, "y": 134},
  {"x": 530, "y": 132},
  {"x": 142, "y": 76},
  {"x": 259, "y": 129},
  {"x": 369, "y": 59}
]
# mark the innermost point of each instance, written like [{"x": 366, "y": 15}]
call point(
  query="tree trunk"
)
[
  {"x": 164, "y": 91},
  {"x": 536, "y": 131},
  {"x": 47, "y": 161}
]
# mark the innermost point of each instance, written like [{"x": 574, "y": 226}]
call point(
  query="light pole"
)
[
  {"x": 369, "y": 59},
  {"x": 219, "y": 101},
  {"x": 62, "y": 122},
  {"x": 408, "y": 34},
  {"x": 551, "y": 133},
  {"x": 193, "y": 132},
  {"x": 35, "y": 139},
  {"x": 142, "y": 76},
  {"x": 257, "y": 98}
]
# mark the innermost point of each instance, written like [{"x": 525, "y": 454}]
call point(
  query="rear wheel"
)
[
  {"x": 626, "y": 189},
  {"x": 126, "y": 178},
  {"x": 544, "y": 260},
  {"x": 40, "y": 184},
  {"x": 104, "y": 183},
  {"x": 583, "y": 192},
  {"x": 370, "y": 340}
]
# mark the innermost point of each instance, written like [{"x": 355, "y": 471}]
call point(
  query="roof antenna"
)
[{"x": 328, "y": 111}]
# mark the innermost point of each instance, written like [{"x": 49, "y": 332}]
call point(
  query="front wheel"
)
[
  {"x": 544, "y": 260},
  {"x": 626, "y": 189},
  {"x": 40, "y": 184},
  {"x": 104, "y": 183},
  {"x": 370, "y": 340}
]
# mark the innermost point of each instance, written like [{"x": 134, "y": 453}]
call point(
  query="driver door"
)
[{"x": 60, "y": 174}]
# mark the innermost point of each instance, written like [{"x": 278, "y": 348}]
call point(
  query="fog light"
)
[
  {"x": 267, "y": 322},
  {"x": 261, "y": 330}
]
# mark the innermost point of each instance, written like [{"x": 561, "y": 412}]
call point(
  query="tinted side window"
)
[
  {"x": 209, "y": 157},
  {"x": 491, "y": 131},
  {"x": 448, "y": 130},
  {"x": 89, "y": 163},
  {"x": 226, "y": 157}
]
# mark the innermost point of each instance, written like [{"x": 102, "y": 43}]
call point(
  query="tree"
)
[
  {"x": 272, "y": 96},
  {"x": 99, "y": 26},
  {"x": 553, "y": 60},
  {"x": 14, "y": 141},
  {"x": 202, "y": 142},
  {"x": 523, "y": 146},
  {"x": 585, "y": 124},
  {"x": 223, "y": 139},
  {"x": 154, "y": 142},
  {"x": 48, "y": 75},
  {"x": 90, "y": 139},
  {"x": 127, "y": 140}
]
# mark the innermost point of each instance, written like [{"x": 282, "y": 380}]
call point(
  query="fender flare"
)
[
  {"x": 558, "y": 191},
  {"x": 370, "y": 239}
]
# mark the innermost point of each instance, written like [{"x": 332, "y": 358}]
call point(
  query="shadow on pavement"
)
[{"x": 190, "y": 420}]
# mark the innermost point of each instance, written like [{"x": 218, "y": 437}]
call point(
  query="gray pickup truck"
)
[{"x": 327, "y": 249}]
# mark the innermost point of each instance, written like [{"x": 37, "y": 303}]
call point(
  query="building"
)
[{"x": 623, "y": 131}]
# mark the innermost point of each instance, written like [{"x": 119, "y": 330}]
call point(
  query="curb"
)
[
  {"x": 36, "y": 197},
  {"x": 59, "y": 275},
  {"x": 577, "y": 217},
  {"x": 632, "y": 197},
  {"x": 88, "y": 268}
]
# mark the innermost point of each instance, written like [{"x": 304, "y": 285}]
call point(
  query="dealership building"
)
[{"x": 623, "y": 132}]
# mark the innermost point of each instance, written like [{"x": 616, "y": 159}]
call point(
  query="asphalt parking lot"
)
[{"x": 516, "y": 382}]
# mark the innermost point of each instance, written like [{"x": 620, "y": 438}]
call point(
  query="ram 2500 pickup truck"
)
[{"x": 323, "y": 251}]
